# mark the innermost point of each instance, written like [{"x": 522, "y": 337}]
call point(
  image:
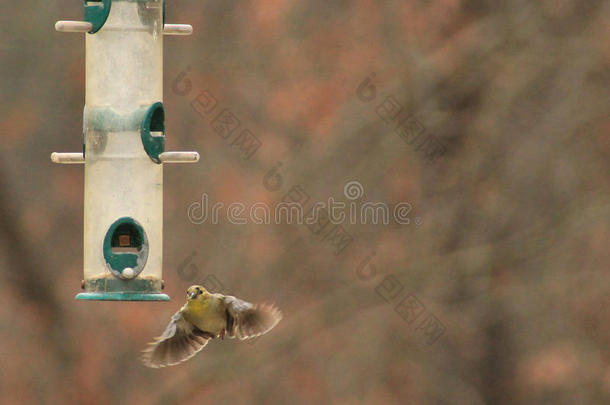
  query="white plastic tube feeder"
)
[{"x": 124, "y": 148}]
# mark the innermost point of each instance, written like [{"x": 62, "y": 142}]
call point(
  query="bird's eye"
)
[{"x": 199, "y": 291}]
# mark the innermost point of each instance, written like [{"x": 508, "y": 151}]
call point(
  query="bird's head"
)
[{"x": 196, "y": 292}]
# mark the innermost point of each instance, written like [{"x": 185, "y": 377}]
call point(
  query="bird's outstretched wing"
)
[
  {"x": 246, "y": 320},
  {"x": 180, "y": 341}
]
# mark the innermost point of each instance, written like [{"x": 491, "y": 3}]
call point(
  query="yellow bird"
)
[{"x": 207, "y": 316}]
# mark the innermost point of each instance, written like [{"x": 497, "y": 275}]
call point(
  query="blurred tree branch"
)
[{"x": 25, "y": 273}]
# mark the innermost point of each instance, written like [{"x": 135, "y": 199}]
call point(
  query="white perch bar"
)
[
  {"x": 177, "y": 29},
  {"x": 73, "y": 26},
  {"x": 179, "y": 157},
  {"x": 68, "y": 158}
]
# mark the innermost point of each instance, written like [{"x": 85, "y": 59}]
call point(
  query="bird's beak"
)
[{"x": 192, "y": 295}]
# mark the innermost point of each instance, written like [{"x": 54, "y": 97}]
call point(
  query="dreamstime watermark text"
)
[{"x": 353, "y": 211}]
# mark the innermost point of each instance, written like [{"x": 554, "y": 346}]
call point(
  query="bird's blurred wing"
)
[
  {"x": 180, "y": 341},
  {"x": 245, "y": 320}
]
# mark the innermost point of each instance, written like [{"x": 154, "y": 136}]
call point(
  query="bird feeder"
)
[{"x": 123, "y": 147}]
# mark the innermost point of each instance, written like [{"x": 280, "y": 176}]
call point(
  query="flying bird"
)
[{"x": 207, "y": 316}]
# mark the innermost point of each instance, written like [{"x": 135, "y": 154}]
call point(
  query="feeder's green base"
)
[
  {"x": 121, "y": 296},
  {"x": 109, "y": 288}
]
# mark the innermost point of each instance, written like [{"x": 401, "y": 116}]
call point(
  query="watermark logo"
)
[
  {"x": 189, "y": 272},
  {"x": 221, "y": 120},
  {"x": 405, "y": 125},
  {"x": 353, "y": 190},
  {"x": 407, "y": 306}
]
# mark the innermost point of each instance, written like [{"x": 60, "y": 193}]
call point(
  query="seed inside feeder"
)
[{"x": 124, "y": 240}]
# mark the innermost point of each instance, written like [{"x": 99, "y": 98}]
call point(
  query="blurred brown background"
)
[{"x": 511, "y": 256}]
